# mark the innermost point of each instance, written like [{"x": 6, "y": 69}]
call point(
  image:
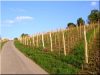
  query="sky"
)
[{"x": 33, "y": 17}]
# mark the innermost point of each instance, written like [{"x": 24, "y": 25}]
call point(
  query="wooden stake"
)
[
  {"x": 33, "y": 41},
  {"x": 37, "y": 40},
  {"x": 55, "y": 38},
  {"x": 43, "y": 40},
  {"x": 25, "y": 40},
  {"x": 64, "y": 43},
  {"x": 94, "y": 32},
  {"x": 51, "y": 41},
  {"x": 86, "y": 49}
]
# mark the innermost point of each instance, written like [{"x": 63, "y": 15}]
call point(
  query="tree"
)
[
  {"x": 15, "y": 38},
  {"x": 80, "y": 21},
  {"x": 94, "y": 16},
  {"x": 24, "y": 35},
  {"x": 71, "y": 25}
]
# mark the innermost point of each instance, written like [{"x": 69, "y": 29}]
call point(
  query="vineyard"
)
[{"x": 65, "y": 51}]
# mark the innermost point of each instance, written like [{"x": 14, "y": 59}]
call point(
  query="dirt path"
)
[{"x": 12, "y": 61}]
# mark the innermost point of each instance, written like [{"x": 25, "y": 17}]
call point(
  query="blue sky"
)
[{"x": 31, "y": 17}]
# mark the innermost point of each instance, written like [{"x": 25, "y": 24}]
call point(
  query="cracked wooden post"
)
[
  {"x": 43, "y": 40},
  {"x": 51, "y": 41},
  {"x": 64, "y": 43},
  {"x": 86, "y": 48}
]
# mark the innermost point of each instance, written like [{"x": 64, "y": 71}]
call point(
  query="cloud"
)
[
  {"x": 17, "y": 19},
  {"x": 17, "y": 10},
  {"x": 93, "y": 3},
  {"x": 23, "y": 18},
  {"x": 9, "y": 21}
]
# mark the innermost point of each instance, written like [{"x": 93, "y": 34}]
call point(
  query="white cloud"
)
[
  {"x": 93, "y": 3},
  {"x": 10, "y": 21},
  {"x": 17, "y": 19},
  {"x": 23, "y": 18}
]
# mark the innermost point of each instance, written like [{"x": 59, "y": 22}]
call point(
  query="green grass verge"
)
[
  {"x": 47, "y": 61},
  {"x": 2, "y": 44}
]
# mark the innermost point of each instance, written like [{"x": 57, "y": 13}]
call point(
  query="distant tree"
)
[
  {"x": 94, "y": 16},
  {"x": 15, "y": 38},
  {"x": 24, "y": 35},
  {"x": 80, "y": 21},
  {"x": 71, "y": 25}
]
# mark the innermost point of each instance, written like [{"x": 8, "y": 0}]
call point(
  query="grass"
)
[
  {"x": 47, "y": 61},
  {"x": 2, "y": 44}
]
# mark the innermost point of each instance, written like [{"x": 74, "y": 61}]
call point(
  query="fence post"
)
[
  {"x": 37, "y": 40},
  {"x": 51, "y": 41},
  {"x": 86, "y": 49},
  {"x": 94, "y": 31},
  {"x": 55, "y": 38},
  {"x": 27, "y": 41},
  {"x": 33, "y": 41},
  {"x": 64, "y": 43},
  {"x": 43, "y": 40}
]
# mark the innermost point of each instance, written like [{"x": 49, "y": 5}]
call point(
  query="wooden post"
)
[
  {"x": 80, "y": 31},
  {"x": 55, "y": 38},
  {"x": 29, "y": 42},
  {"x": 58, "y": 40},
  {"x": 37, "y": 40},
  {"x": 94, "y": 31},
  {"x": 25, "y": 40},
  {"x": 86, "y": 49},
  {"x": 51, "y": 41},
  {"x": 21, "y": 39},
  {"x": 68, "y": 40},
  {"x": 33, "y": 41},
  {"x": 64, "y": 43},
  {"x": 43, "y": 40}
]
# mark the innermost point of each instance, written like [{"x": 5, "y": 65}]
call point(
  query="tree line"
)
[{"x": 93, "y": 17}]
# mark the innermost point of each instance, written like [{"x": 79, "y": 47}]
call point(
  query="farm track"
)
[{"x": 12, "y": 61}]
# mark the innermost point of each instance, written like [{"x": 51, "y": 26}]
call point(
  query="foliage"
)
[
  {"x": 80, "y": 21},
  {"x": 22, "y": 35},
  {"x": 94, "y": 16},
  {"x": 71, "y": 25}
]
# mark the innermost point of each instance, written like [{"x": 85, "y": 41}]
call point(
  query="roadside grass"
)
[
  {"x": 2, "y": 44},
  {"x": 48, "y": 61}
]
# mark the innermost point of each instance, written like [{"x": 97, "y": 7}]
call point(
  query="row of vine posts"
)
[{"x": 60, "y": 41}]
